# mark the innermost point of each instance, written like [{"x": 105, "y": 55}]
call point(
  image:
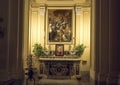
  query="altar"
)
[{"x": 59, "y": 68}]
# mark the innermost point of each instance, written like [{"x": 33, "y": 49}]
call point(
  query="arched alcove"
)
[
  {"x": 35, "y": 26},
  {"x": 101, "y": 34},
  {"x": 104, "y": 38}
]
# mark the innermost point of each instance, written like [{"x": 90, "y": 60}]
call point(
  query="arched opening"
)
[
  {"x": 104, "y": 38},
  {"x": 35, "y": 28},
  {"x": 103, "y": 65}
]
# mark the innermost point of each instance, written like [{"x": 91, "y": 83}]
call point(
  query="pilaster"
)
[
  {"x": 114, "y": 54},
  {"x": 107, "y": 42},
  {"x": 11, "y": 50}
]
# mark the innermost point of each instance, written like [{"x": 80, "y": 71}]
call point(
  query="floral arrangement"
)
[
  {"x": 38, "y": 50},
  {"x": 79, "y": 49}
]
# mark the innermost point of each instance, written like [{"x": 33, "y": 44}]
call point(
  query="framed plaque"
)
[{"x": 59, "y": 50}]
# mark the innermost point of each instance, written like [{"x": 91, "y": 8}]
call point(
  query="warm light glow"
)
[{"x": 37, "y": 32}]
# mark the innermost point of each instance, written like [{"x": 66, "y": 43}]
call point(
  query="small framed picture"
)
[{"x": 59, "y": 50}]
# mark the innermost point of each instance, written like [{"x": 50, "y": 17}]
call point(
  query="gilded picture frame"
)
[
  {"x": 59, "y": 50},
  {"x": 59, "y": 25}
]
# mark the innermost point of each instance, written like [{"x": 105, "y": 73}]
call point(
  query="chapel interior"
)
[{"x": 58, "y": 26}]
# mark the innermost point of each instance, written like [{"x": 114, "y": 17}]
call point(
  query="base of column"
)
[
  {"x": 93, "y": 77},
  {"x": 113, "y": 79},
  {"x": 8, "y": 78},
  {"x": 102, "y": 78}
]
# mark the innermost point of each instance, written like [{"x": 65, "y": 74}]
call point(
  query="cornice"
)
[{"x": 37, "y": 5}]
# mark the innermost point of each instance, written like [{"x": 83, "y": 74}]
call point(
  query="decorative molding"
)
[
  {"x": 60, "y": 0},
  {"x": 78, "y": 10},
  {"x": 42, "y": 10},
  {"x": 36, "y": 5},
  {"x": 67, "y": 3},
  {"x": 60, "y": 69},
  {"x": 83, "y": 4}
]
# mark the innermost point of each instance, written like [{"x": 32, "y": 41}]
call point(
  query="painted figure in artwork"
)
[{"x": 60, "y": 25}]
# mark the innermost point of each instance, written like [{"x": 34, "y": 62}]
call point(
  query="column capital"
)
[{"x": 78, "y": 10}]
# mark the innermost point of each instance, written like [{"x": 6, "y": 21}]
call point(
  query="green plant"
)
[
  {"x": 38, "y": 50},
  {"x": 79, "y": 49}
]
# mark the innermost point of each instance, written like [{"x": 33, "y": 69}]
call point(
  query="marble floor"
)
[
  {"x": 62, "y": 82},
  {"x": 84, "y": 80}
]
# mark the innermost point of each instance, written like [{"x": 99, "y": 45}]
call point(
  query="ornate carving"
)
[
  {"x": 42, "y": 10},
  {"x": 59, "y": 69}
]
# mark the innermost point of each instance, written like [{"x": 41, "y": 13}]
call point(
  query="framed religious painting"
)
[
  {"x": 59, "y": 25},
  {"x": 59, "y": 50}
]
